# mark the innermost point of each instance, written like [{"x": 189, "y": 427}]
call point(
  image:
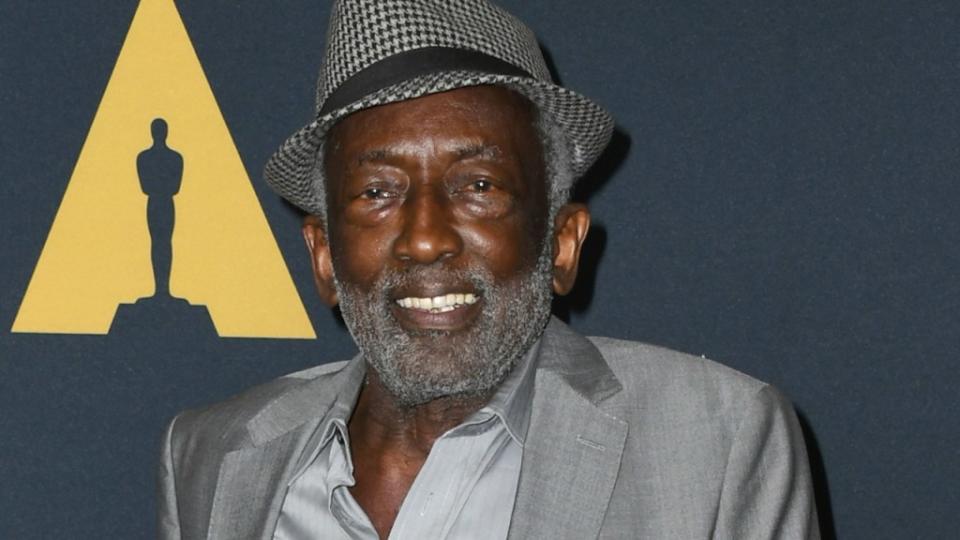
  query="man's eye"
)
[
  {"x": 375, "y": 193},
  {"x": 482, "y": 185}
]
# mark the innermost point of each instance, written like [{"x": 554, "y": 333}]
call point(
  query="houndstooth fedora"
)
[{"x": 384, "y": 51}]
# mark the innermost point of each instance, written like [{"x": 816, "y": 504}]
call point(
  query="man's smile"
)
[
  {"x": 450, "y": 311},
  {"x": 438, "y": 304}
]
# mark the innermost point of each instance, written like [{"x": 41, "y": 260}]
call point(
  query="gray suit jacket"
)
[{"x": 626, "y": 440}]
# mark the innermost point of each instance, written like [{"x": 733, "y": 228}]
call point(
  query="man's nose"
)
[{"x": 428, "y": 234}]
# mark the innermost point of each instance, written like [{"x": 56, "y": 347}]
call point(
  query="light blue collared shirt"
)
[{"x": 465, "y": 489}]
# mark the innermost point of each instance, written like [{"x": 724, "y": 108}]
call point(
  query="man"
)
[{"x": 435, "y": 179}]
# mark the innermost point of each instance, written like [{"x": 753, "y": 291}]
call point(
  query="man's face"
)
[{"x": 437, "y": 228}]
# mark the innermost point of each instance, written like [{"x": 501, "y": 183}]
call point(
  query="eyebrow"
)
[
  {"x": 488, "y": 151},
  {"x": 379, "y": 154}
]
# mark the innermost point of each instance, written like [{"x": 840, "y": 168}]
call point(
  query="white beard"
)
[{"x": 417, "y": 367}]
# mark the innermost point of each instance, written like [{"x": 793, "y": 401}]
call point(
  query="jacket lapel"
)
[
  {"x": 253, "y": 479},
  {"x": 251, "y": 487},
  {"x": 572, "y": 453}
]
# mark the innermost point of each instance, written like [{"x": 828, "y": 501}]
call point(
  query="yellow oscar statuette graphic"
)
[{"x": 159, "y": 206}]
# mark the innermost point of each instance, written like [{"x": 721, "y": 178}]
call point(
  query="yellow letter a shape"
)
[{"x": 97, "y": 254}]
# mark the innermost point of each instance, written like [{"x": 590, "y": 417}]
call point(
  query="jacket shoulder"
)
[
  {"x": 626, "y": 356},
  {"x": 688, "y": 386},
  {"x": 224, "y": 422}
]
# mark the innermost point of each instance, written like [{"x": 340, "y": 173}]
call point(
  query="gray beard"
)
[{"x": 417, "y": 367}]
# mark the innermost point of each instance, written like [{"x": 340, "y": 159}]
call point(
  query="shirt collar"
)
[
  {"x": 512, "y": 402},
  {"x": 337, "y": 416}
]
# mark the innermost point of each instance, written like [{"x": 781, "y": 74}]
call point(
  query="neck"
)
[{"x": 379, "y": 420}]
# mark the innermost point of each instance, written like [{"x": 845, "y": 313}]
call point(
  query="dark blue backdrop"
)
[{"x": 780, "y": 196}]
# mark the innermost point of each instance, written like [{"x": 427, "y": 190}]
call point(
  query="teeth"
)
[{"x": 438, "y": 304}]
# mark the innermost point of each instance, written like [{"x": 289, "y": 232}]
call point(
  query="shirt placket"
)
[
  {"x": 445, "y": 481},
  {"x": 344, "y": 508}
]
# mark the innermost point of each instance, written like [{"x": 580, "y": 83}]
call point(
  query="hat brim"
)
[{"x": 292, "y": 170}]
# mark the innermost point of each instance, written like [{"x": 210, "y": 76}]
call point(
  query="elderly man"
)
[{"x": 435, "y": 179}]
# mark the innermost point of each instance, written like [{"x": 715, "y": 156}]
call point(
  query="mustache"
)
[{"x": 393, "y": 280}]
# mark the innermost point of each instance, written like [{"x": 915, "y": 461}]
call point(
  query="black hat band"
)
[{"x": 410, "y": 64}]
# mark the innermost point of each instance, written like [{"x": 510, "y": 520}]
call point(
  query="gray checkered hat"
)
[{"x": 384, "y": 51}]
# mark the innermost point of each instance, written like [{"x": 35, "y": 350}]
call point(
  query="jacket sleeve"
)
[
  {"x": 767, "y": 492},
  {"x": 168, "y": 517}
]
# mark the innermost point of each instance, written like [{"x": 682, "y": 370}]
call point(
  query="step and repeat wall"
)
[{"x": 780, "y": 195}]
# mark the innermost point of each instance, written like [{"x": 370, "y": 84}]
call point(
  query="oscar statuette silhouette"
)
[{"x": 160, "y": 170}]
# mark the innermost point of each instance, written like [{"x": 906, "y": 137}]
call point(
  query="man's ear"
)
[
  {"x": 315, "y": 236},
  {"x": 570, "y": 230}
]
